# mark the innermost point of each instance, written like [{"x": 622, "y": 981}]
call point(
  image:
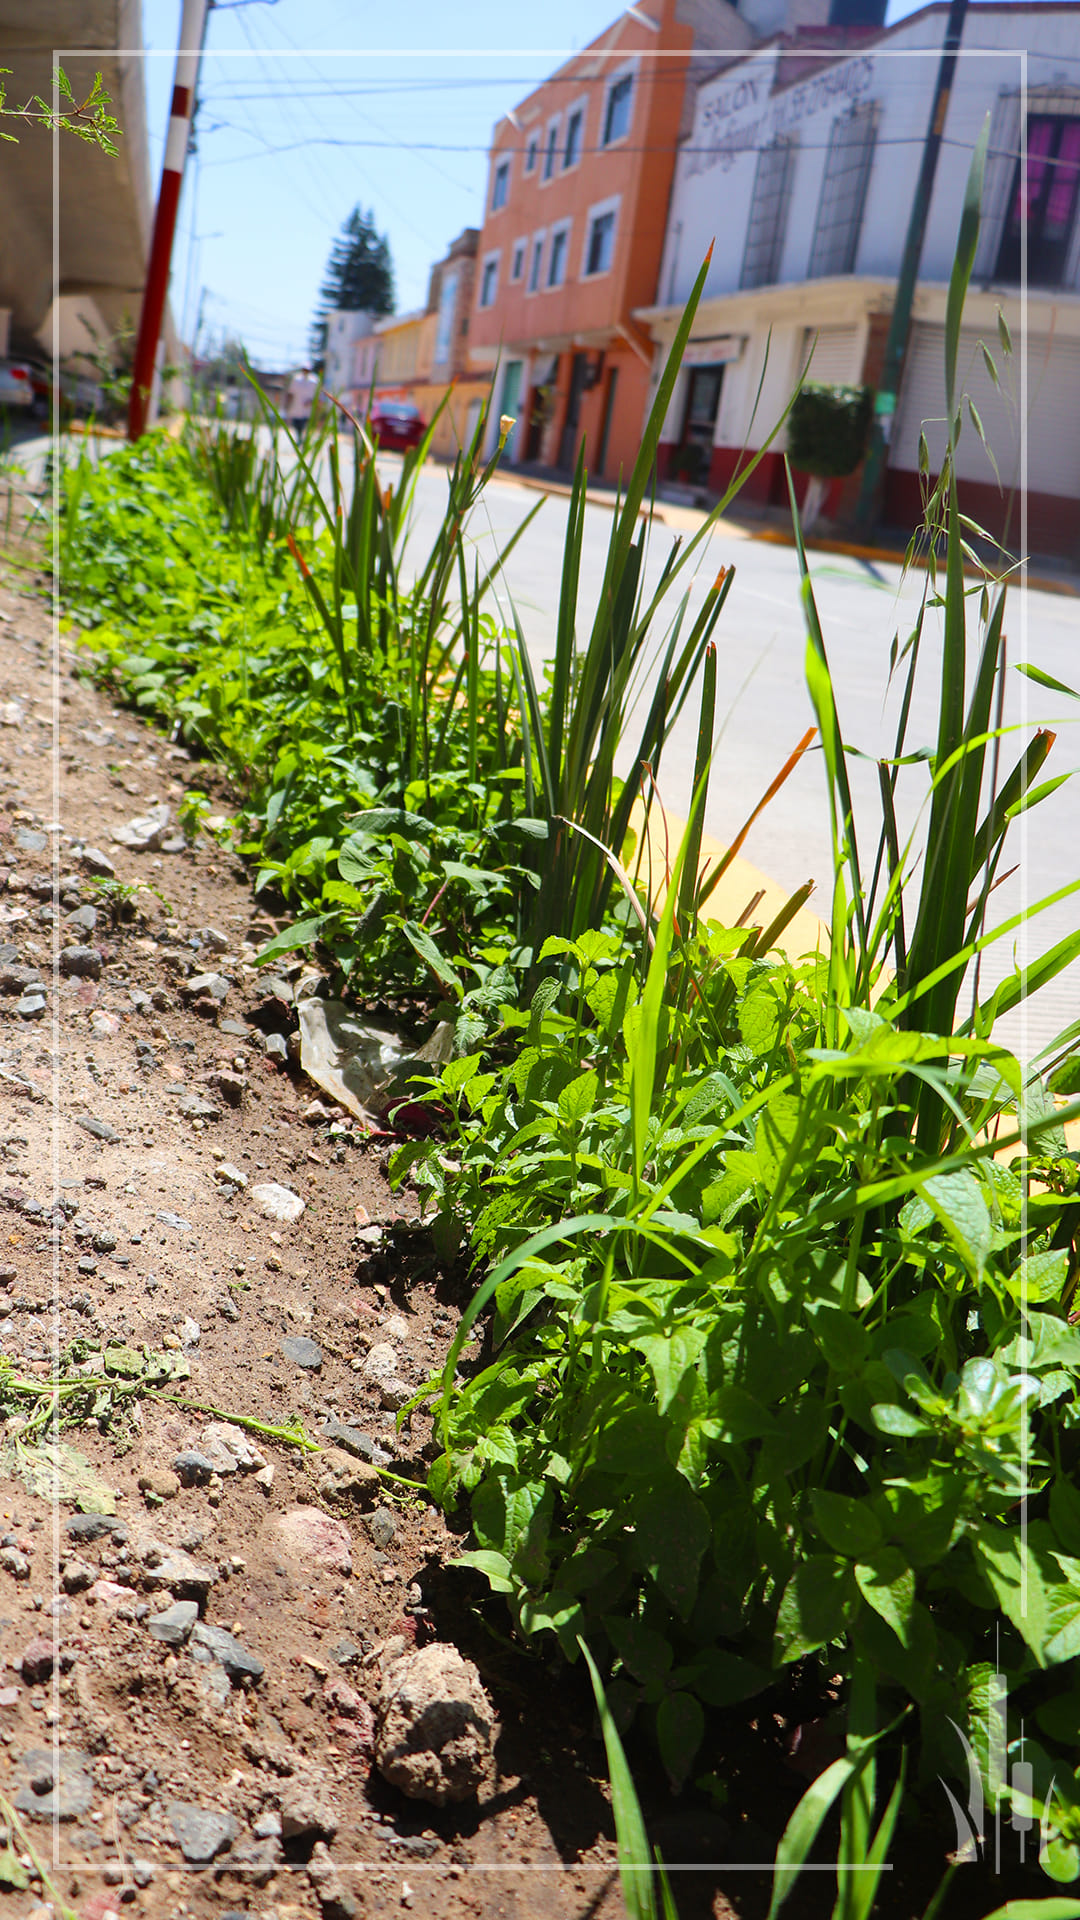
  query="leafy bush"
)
[{"x": 828, "y": 428}]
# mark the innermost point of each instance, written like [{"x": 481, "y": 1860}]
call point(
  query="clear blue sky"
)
[{"x": 290, "y": 140}]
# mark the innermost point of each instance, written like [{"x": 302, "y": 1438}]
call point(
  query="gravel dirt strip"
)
[{"x": 194, "y": 1682}]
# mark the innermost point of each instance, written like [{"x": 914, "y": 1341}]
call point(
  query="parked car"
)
[
  {"x": 16, "y": 385},
  {"x": 396, "y": 425}
]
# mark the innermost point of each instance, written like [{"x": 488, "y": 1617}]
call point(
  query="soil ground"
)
[{"x": 149, "y": 1247}]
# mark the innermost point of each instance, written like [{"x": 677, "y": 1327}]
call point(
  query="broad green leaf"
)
[
  {"x": 420, "y": 939},
  {"x": 672, "y": 1532},
  {"x": 578, "y": 1098},
  {"x": 957, "y": 1200},
  {"x": 815, "y": 1607},
  {"x": 848, "y": 1526},
  {"x": 680, "y": 1727},
  {"x": 303, "y": 933},
  {"x": 887, "y": 1584}
]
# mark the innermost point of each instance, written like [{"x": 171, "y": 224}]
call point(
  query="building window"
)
[
  {"x": 500, "y": 186},
  {"x": 489, "y": 280},
  {"x": 550, "y": 149},
  {"x": 617, "y": 109},
  {"x": 843, "y": 191},
  {"x": 1044, "y": 201},
  {"x": 574, "y": 129},
  {"x": 536, "y": 262},
  {"x": 445, "y": 325},
  {"x": 600, "y": 240},
  {"x": 768, "y": 215},
  {"x": 517, "y": 262},
  {"x": 531, "y": 152},
  {"x": 560, "y": 247}
]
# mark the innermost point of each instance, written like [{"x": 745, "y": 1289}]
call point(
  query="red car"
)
[{"x": 396, "y": 425}]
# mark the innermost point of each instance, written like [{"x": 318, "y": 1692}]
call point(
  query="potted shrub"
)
[{"x": 827, "y": 432}]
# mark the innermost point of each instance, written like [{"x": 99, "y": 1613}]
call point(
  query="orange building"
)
[{"x": 578, "y": 188}]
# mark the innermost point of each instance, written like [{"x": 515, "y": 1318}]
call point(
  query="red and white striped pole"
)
[{"x": 188, "y": 57}]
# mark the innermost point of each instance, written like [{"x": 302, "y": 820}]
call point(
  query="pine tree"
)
[{"x": 359, "y": 275}]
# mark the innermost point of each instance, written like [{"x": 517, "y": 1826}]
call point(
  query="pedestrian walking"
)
[{"x": 299, "y": 400}]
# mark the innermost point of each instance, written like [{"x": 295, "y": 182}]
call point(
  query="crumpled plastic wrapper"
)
[{"x": 364, "y": 1067}]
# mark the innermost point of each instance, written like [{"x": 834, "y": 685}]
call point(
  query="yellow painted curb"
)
[{"x": 744, "y": 896}]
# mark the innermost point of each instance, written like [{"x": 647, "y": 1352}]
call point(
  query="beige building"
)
[{"x": 424, "y": 356}]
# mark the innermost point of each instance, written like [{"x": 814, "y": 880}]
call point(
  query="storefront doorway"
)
[{"x": 693, "y": 454}]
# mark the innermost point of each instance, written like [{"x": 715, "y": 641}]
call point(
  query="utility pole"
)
[
  {"x": 188, "y": 57},
  {"x": 873, "y": 478}
]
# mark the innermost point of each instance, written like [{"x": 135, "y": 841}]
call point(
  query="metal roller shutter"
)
[
  {"x": 1053, "y": 437},
  {"x": 836, "y": 361}
]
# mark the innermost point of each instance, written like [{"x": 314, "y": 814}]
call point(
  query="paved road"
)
[{"x": 764, "y": 705}]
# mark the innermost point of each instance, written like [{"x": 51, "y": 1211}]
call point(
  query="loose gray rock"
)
[
  {"x": 95, "y": 1526},
  {"x": 29, "y": 840},
  {"x": 436, "y": 1726},
  {"x": 193, "y": 1467},
  {"x": 175, "y": 1624},
  {"x": 195, "y": 1106},
  {"x": 174, "y": 1220},
  {"x": 302, "y": 1352},
  {"x": 305, "y": 1814},
  {"x": 214, "y": 984},
  {"x": 213, "y": 938},
  {"x": 55, "y": 1786},
  {"x": 380, "y": 1363},
  {"x": 146, "y": 832},
  {"x": 348, "y": 1438},
  {"x": 32, "y": 1006},
  {"x": 84, "y": 919},
  {"x": 81, "y": 963},
  {"x": 99, "y": 1128},
  {"x": 213, "y": 1643},
  {"x": 15, "y": 1563},
  {"x": 276, "y": 1047},
  {"x": 14, "y": 979},
  {"x": 172, "y": 1568},
  {"x": 200, "y": 1833},
  {"x": 382, "y": 1526},
  {"x": 92, "y": 860},
  {"x": 278, "y": 1202}
]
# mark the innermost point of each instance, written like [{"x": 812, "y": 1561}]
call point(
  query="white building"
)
[
  {"x": 344, "y": 331},
  {"x": 800, "y": 171}
]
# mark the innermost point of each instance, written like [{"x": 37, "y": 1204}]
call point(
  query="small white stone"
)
[{"x": 277, "y": 1201}]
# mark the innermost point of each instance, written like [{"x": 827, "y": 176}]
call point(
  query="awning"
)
[{"x": 545, "y": 371}]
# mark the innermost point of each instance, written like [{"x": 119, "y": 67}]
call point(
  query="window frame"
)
[
  {"x": 577, "y": 111},
  {"x": 626, "y": 73},
  {"x": 531, "y": 154},
  {"x": 490, "y": 259},
  {"x": 1007, "y": 259},
  {"x": 781, "y": 151},
  {"x": 520, "y": 246},
  {"x": 559, "y": 230},
  {"x": 550, "y": 152},
  {"x": 819, "y": 266},
  {"x": 598, "y": 212},
  {"x": 500, "y": 173},
  {"x": 535, "y": 276}
]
